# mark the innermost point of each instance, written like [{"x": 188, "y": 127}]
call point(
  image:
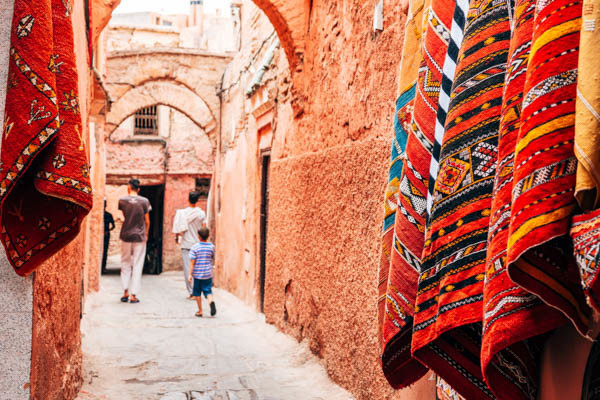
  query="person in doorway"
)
[
  {"x": 134, "y": 236},
  {"x": 186, "y": 224},
  {"x": 202, "y": 257},
  {"x": 109, "y": 225}
]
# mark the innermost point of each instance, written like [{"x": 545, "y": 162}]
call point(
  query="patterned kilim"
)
[
  {"x": 512, "y": 316},
  {"x": 444, "y": 25},
  {"x": 586, "y": 239},
  {"x": 446, "y": 392},
  {"x": 447, "y": 329},
  {"x": 448, "y": 70},
  {"x": 395, "y": 312},
  {"x": 44, "y": 183},
  {"x": 540, "y": 256},
  {"x": 587, "y": 127}
]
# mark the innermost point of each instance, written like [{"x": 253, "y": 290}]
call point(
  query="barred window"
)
[
  {"x": 203, "y": 186},
  {"x": 146, "y": 121}
]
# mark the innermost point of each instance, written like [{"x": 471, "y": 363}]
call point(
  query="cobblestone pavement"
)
[{"x": 158, "y": 349}]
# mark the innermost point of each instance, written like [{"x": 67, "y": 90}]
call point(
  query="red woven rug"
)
[
  {"x": 540, "y": 254},
  {"x": 397, "y": 284},
  {"x": 512, "y": 316},
  {"x": 586, "y": 239},
  {"x": 44, "y": 183},
  {"x": 447, "y": 334}
]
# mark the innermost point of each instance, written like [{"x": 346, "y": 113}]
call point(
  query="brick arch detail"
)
[
  {"x": 164, "y": 93},
  {"x": 289, "y": 18}
]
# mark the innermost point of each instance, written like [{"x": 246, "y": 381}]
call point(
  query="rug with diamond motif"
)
[{"x": 44, "y": 182}]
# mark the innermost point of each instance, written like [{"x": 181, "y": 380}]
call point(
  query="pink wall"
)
[
  {"x": 176, "y": 197},
  {"x": 330, "y": 144},
  {"x": 56, "y": 342}
]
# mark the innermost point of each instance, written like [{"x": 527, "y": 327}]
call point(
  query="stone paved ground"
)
[{"x": 158, "y": 349}]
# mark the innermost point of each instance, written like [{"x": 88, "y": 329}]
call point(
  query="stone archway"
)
[
  {"x": 290, "y": 20},
  {"x": 167, "y": 93},
  {"x": 288, "y": 17}
]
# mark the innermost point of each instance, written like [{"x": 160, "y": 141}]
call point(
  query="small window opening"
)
[
  {"x": 203, "y": 186},
  {"x": 146, "y": 121}
]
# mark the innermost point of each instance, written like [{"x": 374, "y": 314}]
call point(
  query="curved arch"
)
[
  {"x": 289, "y": 18},
  {"x": 195, "y": 69},
  {"x": 163, "y": 93}
]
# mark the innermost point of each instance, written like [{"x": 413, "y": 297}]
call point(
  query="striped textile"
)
[
  {"x": 394, "y": 308},
  {"x": 203, "y": 254},
  {"x": 449, "y": 69},
  {"x": 447, "y": 331},
  {"x": 586, "y": 240},
  {"x": 540, "y": 256},
  {"x": 512, "y": 317}
]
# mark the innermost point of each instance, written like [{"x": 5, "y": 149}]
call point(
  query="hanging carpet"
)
[
  {"x": 44, "y": 182},
  {"x": 540, "y": 253},
  {"x": 448, "y": 330},
  {"x": 513, "y": 318},
  {"x": 395, "y": 286}
]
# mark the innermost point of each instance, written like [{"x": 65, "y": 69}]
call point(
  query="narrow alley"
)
[{"x": 158, "y": 349}]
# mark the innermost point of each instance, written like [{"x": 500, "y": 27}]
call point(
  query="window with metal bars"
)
[
  {"x": 203, "y": 186},
  {"x": 146, "y": 121}
]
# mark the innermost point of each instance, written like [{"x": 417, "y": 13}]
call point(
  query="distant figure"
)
[
  {"x": 109, "y": 225},
  {"x": 134, "y": 236},
  {"x": 202, "y": 257},
  {"x": 186, "y": 224}
]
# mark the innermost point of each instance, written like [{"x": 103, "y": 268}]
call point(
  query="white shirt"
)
[{"x": 187, "y": 222}]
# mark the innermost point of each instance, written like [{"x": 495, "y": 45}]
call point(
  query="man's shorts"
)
[{"x": 202, "y": 286}]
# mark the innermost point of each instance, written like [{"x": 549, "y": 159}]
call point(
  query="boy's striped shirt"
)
[{"x": 203, "y": 254}]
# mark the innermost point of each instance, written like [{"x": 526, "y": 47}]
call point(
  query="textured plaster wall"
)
[
  {"x": 332, "y": 130},
  {"x": 16, "y": 293},
  {"x": 238, "y": 165},
  {"x": 58, "y": 283},
  {"x": 176, "y": 197}
]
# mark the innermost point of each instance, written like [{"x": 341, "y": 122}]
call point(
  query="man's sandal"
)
[
  {"x": 124, "y": 299},
  {"x": 134, "y": 301},
  {"x": 198, "y": 314}
]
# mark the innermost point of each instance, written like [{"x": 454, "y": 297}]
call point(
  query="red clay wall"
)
[
  {"x": 326, "y": 189},
  {"x": 56, "y": 350},
  {"x": 58, "y": 283},
  {"x": 332, "y": 131},
  {"x": 176, "y": 196}
]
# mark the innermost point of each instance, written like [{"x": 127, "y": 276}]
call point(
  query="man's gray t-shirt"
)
[{"x": 134, "y": 209}]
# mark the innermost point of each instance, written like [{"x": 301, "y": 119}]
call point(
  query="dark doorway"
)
[
  {"x": 264, "y": 220},
  {"x": 156, "y": 196}
]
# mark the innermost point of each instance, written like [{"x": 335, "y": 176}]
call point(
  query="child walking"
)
[{"x": 202, "y": 256}]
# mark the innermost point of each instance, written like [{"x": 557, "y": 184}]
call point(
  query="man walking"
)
[
  {"x": 134, "y": 235},
  {"x": 109, "y": 225},
  {"x": 186, "y": 224}
]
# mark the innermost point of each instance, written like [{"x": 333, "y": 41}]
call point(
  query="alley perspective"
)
[{"x": 300, "y": 199}]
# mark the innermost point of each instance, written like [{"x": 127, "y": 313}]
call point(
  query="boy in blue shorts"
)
[{"x": 202, "y": 257}]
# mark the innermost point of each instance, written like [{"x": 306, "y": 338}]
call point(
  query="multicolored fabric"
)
[
  {"x": 447, "y": 329},
  {"x": 445, "y": 392},
  {"x": 44, "y": 182},
  {"x": 394, "y": 310},
  {"x": 455, "y": 38},
  {"x": 586, "y": 240},
  {"x": 511, "y": 315},
  {"x": 444, "y": 25},
  {"x": 587, "y": 118},
  {"x": 540, "y": 257}
]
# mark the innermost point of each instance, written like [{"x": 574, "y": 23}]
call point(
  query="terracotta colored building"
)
[
  {"x": 41, "y": 341},
  {"x": 293, "y": 127},
  {"x": 163, "y": 122}
]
